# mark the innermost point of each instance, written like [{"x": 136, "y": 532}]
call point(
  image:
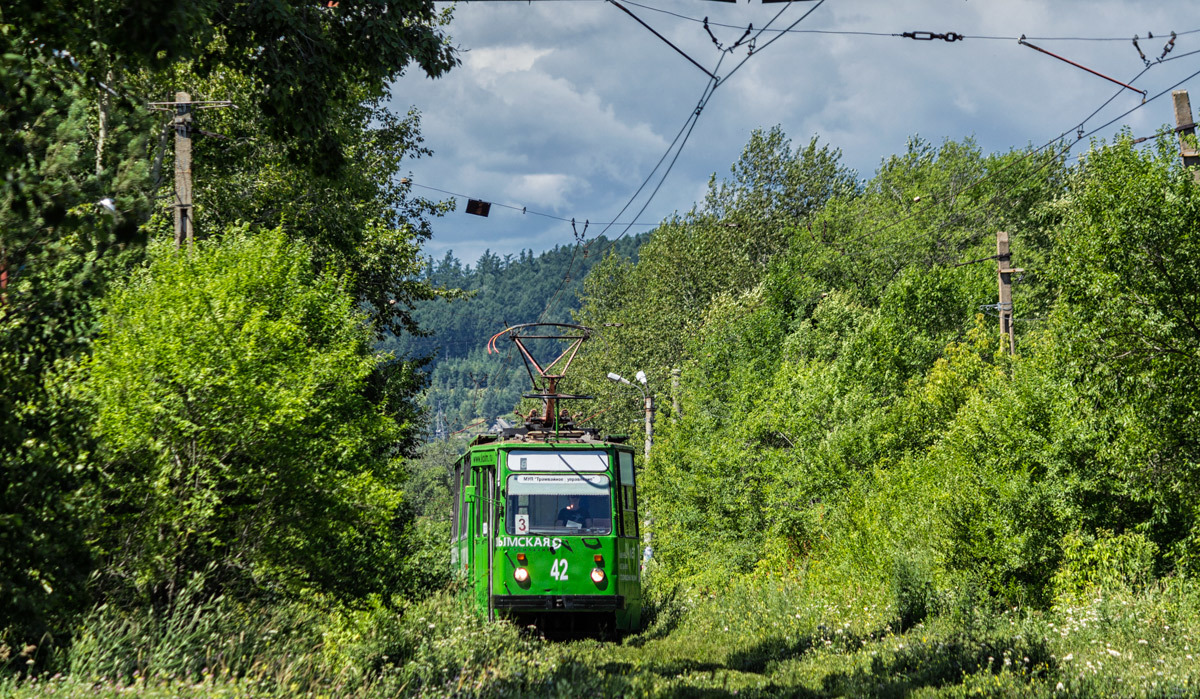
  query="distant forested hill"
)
[{"x": 465, "y": 382}]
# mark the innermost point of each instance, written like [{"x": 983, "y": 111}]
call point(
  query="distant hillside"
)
[{"x": 465, "y": 382}]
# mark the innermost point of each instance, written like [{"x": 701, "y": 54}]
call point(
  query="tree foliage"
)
[
  {"x": 466, "y": 383},
  {"x": 847, "y": 410},
  {"x": 646, "y": 312},
  {"x": 86, "y": 186},
  {"x": 231, "y": 399},
  {"x": 304, "y": 59}
]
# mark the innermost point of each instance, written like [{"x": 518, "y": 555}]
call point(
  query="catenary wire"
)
[
  {"x": 710, "y": 90},
  {"x": 844, "y": 32},
  {"x": 773, "y": 39},
  {"x": 526, "y": 210},
  {"x": 1067, "y": 147},
  {"x": 690, "y": 124}
]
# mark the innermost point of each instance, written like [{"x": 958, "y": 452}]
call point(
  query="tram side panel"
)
[{"x": 628, "y": 569}]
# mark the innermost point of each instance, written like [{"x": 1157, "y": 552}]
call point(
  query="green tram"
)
[{"x": 545, "y": 521}]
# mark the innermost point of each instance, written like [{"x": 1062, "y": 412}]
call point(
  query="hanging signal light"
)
[{"x": 478, "y": 208}]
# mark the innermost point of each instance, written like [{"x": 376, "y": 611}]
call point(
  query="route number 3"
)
[{"x": 558, "y": 571}]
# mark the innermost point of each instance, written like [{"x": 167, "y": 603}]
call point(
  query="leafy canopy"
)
[{"x": 231, "y": 397}]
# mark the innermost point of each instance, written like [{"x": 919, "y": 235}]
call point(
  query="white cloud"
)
[
  {"x": 565, "y": 107},
  {"x": 542, "y": 190},
  {"x": 500, "y": 60}
]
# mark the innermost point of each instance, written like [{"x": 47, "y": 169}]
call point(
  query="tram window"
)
[
  {"x": 538, "y": 503},
  {"x": 629, "y": 519},
  {"x": 477, "y": 480},
  {"x": 619, "y": 512}
]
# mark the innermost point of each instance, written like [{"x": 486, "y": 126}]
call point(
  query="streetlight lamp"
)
[{"x": 648, "y": 400}]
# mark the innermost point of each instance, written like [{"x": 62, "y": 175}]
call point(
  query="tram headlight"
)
[
  {"x": 597, "y": 575},
  {"x": 521, "y": 575}
]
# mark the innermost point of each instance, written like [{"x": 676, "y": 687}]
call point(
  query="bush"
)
[
  {"x": 231, "y": 391},
  {"x": 1104, "y": 562}
]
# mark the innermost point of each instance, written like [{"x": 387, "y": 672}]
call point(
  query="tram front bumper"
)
[{"x": 580, "y": 603}]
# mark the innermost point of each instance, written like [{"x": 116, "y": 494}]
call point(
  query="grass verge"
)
[{"x": 758, "y": 638}]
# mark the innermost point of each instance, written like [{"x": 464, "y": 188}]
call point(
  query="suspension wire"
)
[
  {"x": 773, "y": 39},
  {"x": 1080, "y": 136},
  {"x": 684, "y": 133},
  {"x": 664, "y": 39},
  {"x": 523, "y": 209},
  {"x": 845, "y": 32},
  {"x": 711, "y": 89},
  {"x": 1115, "y": 95}
]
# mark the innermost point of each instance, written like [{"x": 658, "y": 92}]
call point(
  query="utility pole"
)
[
  {"x": 182, "y": 109},
  {"x": 1186, "y": 126},
  {"x": 183, "y": 169},
  {"x": 1005, "y": 270}
]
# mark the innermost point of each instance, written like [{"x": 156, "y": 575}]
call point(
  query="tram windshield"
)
[{"x": 558, "y": 504}]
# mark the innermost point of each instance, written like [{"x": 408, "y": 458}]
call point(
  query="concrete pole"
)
[{"x": 183, "y": 170}]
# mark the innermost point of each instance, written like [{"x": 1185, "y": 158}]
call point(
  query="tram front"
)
[{"x": 566, "y": 541}]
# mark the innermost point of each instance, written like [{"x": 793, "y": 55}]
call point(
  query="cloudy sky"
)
[{"x": 564, "y": 107}]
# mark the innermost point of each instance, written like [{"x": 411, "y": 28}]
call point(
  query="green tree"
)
[
  {"x": 808, "y": 383},
  {"x": 1127, "y": 259},
  {"x": 316, "y": 58},
  {"x": 85, "y": 168},
  {"x": 67, "y": 226},
  {"x": 646, "y": 313},
  {"x": 230, "y": 393}
]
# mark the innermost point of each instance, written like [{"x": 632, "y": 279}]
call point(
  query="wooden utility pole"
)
[
  {"x": 1186, "y": 126},
  {"x": 183, "y": 169},
  {"x": 1005, "y": 270}
]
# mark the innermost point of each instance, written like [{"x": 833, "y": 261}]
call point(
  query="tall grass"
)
[{"x": 760, "y": 636}]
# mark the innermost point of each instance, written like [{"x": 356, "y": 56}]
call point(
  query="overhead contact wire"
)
[
  {"x": 710, "y": 89},
  {"x": 845, "y": 32},
  {"x": 1080, "y": 136}
]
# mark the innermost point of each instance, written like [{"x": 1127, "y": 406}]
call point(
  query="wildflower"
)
[
  {"x": 1114, "y": 652},
  {"x": 1068, "y": 656},
  {"x": 1059, "y": 687}
]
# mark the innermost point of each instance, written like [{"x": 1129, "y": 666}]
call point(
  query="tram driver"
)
[{"x": 575, "y": 515}]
